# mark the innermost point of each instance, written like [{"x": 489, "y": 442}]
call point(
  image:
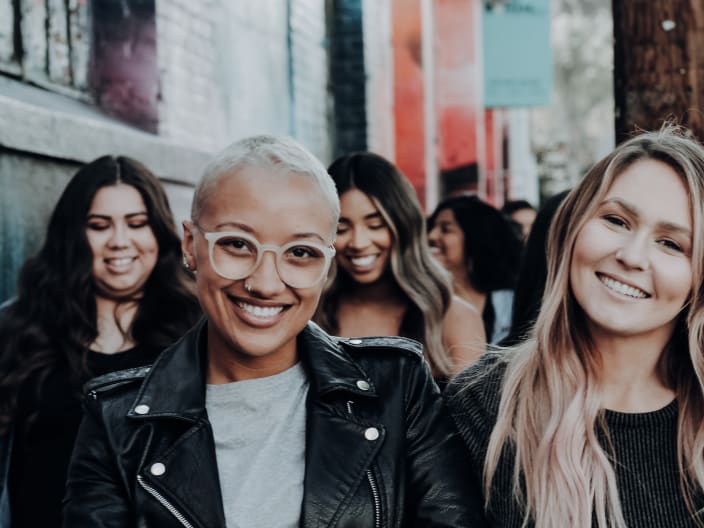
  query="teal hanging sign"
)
[{"x": 517, "y": 55}]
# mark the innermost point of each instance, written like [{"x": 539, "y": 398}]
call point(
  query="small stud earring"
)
[{"x": 186, "y": 264}]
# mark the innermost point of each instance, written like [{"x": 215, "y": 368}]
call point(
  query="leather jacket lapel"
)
[
  {"x": 186, "y": 475},
  {"x": 182, "y": 465},
  {"x": 337, "y": 457},
  {"x": 175, "y": 385},
  {"x": 338, "y": 453}
]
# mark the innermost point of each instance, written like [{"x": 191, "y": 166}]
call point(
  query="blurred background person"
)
[
  {"x": 385, "y": 281},
  {"x": 521, "y": 212},
  {"x": 528, "y": 294},
  {"x": 106, "y": 291},
  {"x": 478, "y": 245}
]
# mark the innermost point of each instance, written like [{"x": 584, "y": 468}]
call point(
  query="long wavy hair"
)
[
  {"x": 422, "y": 281},
  {"x": 53, "y": 317},
  {"x": 550, "y": 409}
]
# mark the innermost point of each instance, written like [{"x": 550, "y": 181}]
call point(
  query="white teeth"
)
[
  {"x": 260, "y": 311},
  {"x": 622, "y": 288},
  {"x": 120, "y": 261},
  {"x": 363, "y": 261}
]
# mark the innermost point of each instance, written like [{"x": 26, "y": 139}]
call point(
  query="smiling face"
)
[
  {"x": 256, "y": 327},
  {"x": 631, "y": 269},
  {"x": 123, "y": 244},
  {"x": 446, "y": 240},
  {"x": 364, "y": 240}
]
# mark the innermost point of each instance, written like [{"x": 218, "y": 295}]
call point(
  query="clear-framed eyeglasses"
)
[{"x": 235, "y": 255}]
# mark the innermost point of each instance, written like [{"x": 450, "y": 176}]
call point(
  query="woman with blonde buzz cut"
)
[
  {"x": 257, "y": 417},
  {"x": 598, "y": 418}
]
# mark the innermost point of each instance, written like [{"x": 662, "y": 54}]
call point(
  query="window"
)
[{"x": 99, "y": 51}]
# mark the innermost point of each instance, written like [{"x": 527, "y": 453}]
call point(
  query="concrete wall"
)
[
  {"x": 30, "y": 187},
  {"x": 379, "y": 75},
  {"x": 309, "y": 76}
]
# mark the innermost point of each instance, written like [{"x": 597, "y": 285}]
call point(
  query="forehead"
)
[
  {"x": 355, "y": 203},
  {"x": 655, "y": 189},
  {"x": 268, "y": 200},
  {"x": 446, "y": 216},
  {"x": 525, "y": 214},
  {"x": 116, "y": 200}
]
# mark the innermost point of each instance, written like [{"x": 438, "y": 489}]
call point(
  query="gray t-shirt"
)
[{"x": 259, "y": 427}]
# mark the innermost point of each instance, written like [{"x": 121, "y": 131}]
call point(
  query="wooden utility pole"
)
[{"x": 658, "y": 64}]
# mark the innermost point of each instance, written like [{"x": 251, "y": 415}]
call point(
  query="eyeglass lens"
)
[{"x": 300, "y": 265}]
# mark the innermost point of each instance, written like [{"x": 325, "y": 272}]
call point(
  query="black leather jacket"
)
[{"x": 145, "y": 455}]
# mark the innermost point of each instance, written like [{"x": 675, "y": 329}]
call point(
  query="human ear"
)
[{"x": 188, "y": 246}]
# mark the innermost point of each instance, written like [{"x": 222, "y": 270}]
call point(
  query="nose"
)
[
  {"x": 634, "y": 253},
  {"x": 359, "y": 238},
  {"x": 434, "y": 235},
  {"x": 118, "y": 236},
  {"x": 265, "y": 280}
]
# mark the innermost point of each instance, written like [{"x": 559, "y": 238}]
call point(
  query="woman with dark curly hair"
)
[
  {"x": 482, "y": 250},
  {"x": 105, "y": 292}
]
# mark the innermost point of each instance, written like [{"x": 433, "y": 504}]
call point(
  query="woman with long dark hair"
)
[
  {"x": 528, "y": 294},
  {"x": 481, "y": 249},
  {"x": 106, "y": 291},
  {"x": 385, "y": 281}
]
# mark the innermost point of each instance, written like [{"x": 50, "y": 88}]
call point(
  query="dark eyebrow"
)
[
  {"x": 370, "y": 216},
  {"x": 633, "y": 211},
  {"x": 108, "y": 217},
  {"x": 247, "y": 229}
]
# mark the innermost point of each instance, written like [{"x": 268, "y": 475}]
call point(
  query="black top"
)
[
  {"x": 42, "y": 450},
  {"x": 488, "y": 317},
  {"x": 645, "y": 452}
]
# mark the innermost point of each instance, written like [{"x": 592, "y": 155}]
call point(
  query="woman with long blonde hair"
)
[{"x": 598, "y": 418}]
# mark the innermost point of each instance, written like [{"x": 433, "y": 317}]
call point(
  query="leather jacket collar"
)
[{"x": 329, "y": 366}]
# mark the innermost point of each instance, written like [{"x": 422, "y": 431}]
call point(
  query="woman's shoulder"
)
[
  {"x": 476, "y": 391},
  {"x": 463, "y": 328},
  {"x": 460, "y": 308}
]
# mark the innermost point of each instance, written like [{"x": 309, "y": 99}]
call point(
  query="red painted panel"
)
[
  {"x": 457, "y": 90},
  {"x": 409, "y": 92}
]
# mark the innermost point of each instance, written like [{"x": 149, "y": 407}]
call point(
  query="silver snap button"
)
[
  {"x": 356, "y": 341},
  {"x": 363, "y": 385},
  {"x": 372, "y": 433},
  {"x": 141, "y": 409},
  {"x": 158, "y": 469}
]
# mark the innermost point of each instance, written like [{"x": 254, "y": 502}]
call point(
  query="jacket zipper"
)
[
  {"x": 166, "y": 504},
  {"x": 372, "y": 485}
]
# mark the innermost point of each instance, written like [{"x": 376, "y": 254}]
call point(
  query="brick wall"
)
[
  {"x": 191, "y": 102},
  {"x": 309, "y": 76},
  {"x": 378, "y": 58}
]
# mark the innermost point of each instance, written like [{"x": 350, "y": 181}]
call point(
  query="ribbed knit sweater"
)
[{"x": 645, "y": 452}]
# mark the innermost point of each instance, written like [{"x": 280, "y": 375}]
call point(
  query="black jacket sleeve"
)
[
  {"x": 95, "y": 493},
  {"x": 440, "y": 487}
]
